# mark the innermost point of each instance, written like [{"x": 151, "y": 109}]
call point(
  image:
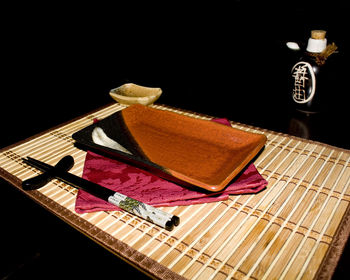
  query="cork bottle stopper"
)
[{"x": 318, "y": 34}]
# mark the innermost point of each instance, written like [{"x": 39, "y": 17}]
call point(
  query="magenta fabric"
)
[{"x": 150, "y": 189}]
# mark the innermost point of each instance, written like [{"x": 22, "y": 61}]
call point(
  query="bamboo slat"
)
[{"x": 295, "y": 229}]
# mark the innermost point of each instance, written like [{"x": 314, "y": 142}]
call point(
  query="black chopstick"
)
[
  {"x": 131, "y": 205},
  {"x": 37, "y": 164}
]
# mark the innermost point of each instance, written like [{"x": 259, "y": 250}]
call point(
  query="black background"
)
[
  {"x": 226, "y": 60},
  {"x": 59, "y": 61}
]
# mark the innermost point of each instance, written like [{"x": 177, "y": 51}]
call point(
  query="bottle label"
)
[{"x": 304, "y": 82}]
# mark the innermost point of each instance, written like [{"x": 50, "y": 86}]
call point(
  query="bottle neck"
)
[{"x": 316, "y": 45}]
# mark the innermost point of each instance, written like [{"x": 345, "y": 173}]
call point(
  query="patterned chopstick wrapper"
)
[{"x": 144, "y": 211}]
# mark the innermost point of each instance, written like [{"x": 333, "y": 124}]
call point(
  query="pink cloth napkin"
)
[{"x": 150, "y": 189}]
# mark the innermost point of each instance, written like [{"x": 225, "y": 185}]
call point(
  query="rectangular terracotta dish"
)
[{"x": 176, "y": 147}]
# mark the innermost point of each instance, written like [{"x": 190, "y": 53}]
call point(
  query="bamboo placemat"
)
[{"x": 295, "y": 229}]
